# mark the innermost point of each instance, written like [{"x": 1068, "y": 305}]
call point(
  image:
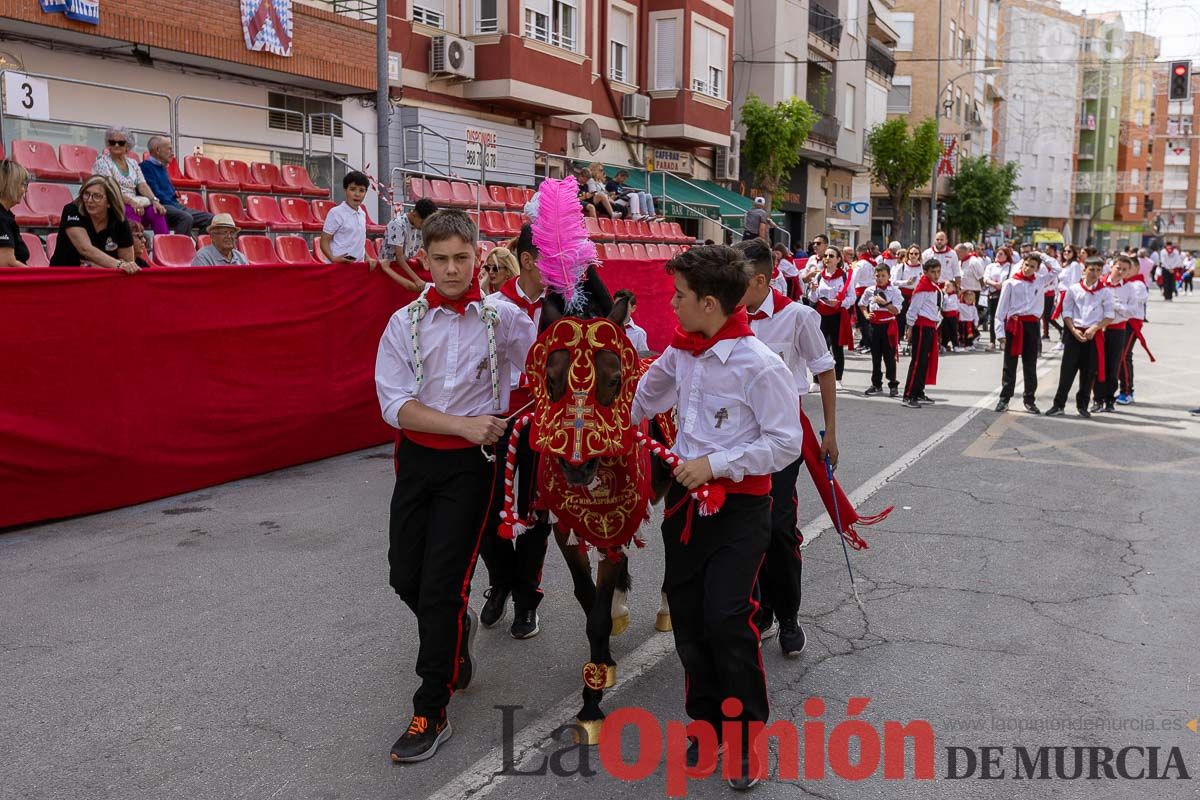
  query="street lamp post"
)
[{"x": 937, "y": 117}]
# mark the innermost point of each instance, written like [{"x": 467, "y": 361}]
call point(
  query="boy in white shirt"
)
[
  {"x": 1087, "y": 311},
  {"x": 344, "y": 235},
  {"x": 881, "y": 304},
  {"x": 635, "y": 332}
]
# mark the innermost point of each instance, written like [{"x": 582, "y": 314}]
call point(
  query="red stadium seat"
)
[
  {"x": 493, "y": 224},
  {"x": 373, "y": 227},
  {"x": 321, "y": 208},
  {"x": 652, "y": 251},
  {"x": 258, "y": 249},
  {"x": 293, "y": 250},
  {"x": 640, "y": 230},
  {"x": 205, "y": 170},
  {"x": 514, "y": 221},
  {"x": 239, "y": 172},
  {"x": 606, "y": 228},
  {"x": 264, "y": 209},
  {"x": 230, "y": 204},
  {"x": 529, "y": 193},
  {"x": 440, "y": 192},
  {"x": 514, "y": 197},
  {"x": 78, "y": 158},
  {"x": 621, "y": 230},
  {"x": 673, "y": 250},
  {"x": 625, "y": 250},
  {"x": 593, "y": 229},
  {"x": 657, "y": 233},
  {"x": 318, "y": 253},
  {"x": 461, "y": 195},
  {"x": 639, "y": 251},
  {"x": 371, "y": 248},
  {"x": 28, "y": 218},
  {"x": 497, "y": 197},
  {"x": 51, "y": 242},
  {"x": 295, "y": 209},
  {"x": 416, "y": 189},
  {"x": 37, "y": 254},
  {"x": 177, "y": 178},
  {"x": 485, "y": 247},
  {"x": 190, "y": 200},
  {"x": 611, "y": 251},
  {"x": 173, "y": 250},
  {"x": 297, "y": 177},
  {"x": 48, "y": 199},
  {"x": 39, "y": 161},
  {"x": 268, "y": 173},
  {"x": 676, "y": 232},
  {"x": 203, "y": 241}
]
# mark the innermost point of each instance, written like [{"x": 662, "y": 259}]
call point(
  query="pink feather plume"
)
[{"x": 564, "y": 249}]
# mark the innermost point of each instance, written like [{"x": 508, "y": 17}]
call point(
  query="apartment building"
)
[
  {"x": 1101, "y": 53},
  {"x": 1175, "y": 156},
  {"x": 1037, "y": 121},
  {"x": 1134, "y": 177}
]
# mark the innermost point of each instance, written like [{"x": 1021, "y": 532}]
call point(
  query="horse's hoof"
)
[
  {"x": 662, "y": 623},
  {"x": 587, "y": 731},
  {"x": 610, "y": 677},
  {"x": 619, "y": 624}
]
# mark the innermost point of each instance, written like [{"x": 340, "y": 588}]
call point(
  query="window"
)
[
  {"x": 1049, "y": 195},
  {"x": 319, "y": 126},
  {"x": 620, "y": 24},
  {"x": 1050, "y": 166},
  {"x": 899, "y": 100},
  {"x": 562, "y": 24},
  {"x": 487, "y": 16},
  {"x": 1112, "y": 112},
  {"x": 1141, "y": 90},
  {"x": 1139, "y": 119},
  {"x": 903, "y": 22},
  {"x": 1137, "y": 147},
  {"x": 1112, "y": 142},
  {"x": 953, "y": 39},
  {"x": 430, "y": 12},
  {"x": 708, "y": 61},
  {"x": 848, "y": 107},
  {"x": 666, "y": 36},
  {"x": 962, "y": 47},
  {"x": 537, "y": 20},
  {"x": 1135, "y": 177},
  {"x": 791, "y": 76},
  {"x": 1133, "y": 205},
  {"x": 1035, "y": 160},
  {"x": 852, "y": 21},
  {"x": 958, "y": 104}
]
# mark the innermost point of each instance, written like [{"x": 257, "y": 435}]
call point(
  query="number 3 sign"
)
[{"x": 26, "y": 97}]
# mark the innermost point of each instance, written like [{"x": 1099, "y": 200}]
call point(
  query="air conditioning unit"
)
[
  {"x": 452, "y": 57},
  {"x": 728, "y": 162},
  {"x": 635, "y": 108}
]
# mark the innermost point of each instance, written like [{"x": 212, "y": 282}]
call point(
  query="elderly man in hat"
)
[{"x": 221, "y": 253}]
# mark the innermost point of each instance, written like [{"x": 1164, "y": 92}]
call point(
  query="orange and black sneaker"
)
[{"x": 422, "y": 739}]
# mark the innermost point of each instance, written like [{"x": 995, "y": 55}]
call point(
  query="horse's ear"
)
[
  {"x": 619, "y": 311},
  {"x": 598, "y": 294},
  {"x": 552, "y": 311}
]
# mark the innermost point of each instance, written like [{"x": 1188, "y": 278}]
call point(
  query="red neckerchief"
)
[
  {"x": 940, "y": 252},
  {"x": 735, "y": 327},
  {"x": 1170, "y": 249},
  {"x": 779, "y": 299},
  {"x": 459, "y": 305},
  {"x": 1020, "y": 275},
  {"x": 1137, "y": 276},
  {"x": 1099, "y": 286},
  {"x": 509, "y": 290},
  {"x": 886, "y": 255},
  {"x": 868, "y": 259},
  {"x": 925, "y": 285}
]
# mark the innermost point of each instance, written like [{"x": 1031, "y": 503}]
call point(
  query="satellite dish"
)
[
  {"x": 591, "y": 135},
  {"x": 456, "y": 54}
]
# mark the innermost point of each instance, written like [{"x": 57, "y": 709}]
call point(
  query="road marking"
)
[{"x": 482, "y": 778}]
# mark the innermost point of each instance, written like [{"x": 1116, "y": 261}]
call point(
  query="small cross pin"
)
[
  {"x": 722, "y": 415},
  {"x": 479, "y": 369}
]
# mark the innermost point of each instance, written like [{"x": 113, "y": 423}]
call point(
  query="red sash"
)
[
  {"x": 1015, "y": 328},
  {"x": 434, "y": 441},
  {"x": 1136, "y": 326},
  {"x": 846, "y": 328},
  {"x": 931, "y": 369},
  {"x": 1099, "y": 340}
]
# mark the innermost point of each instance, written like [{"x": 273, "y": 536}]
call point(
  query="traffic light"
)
[{"x": 1179, "y": 80}]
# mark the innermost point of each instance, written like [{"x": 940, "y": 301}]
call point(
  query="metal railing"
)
[
  {"x": 178, "y": 132},
  {"x": 333, "y": 157},
  {"x": 824, "y": 24},
  {"x": 825, "y": 130},
  {"x": 880, "y": 58}
]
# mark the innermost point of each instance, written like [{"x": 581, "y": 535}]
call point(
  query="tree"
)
[
  {"x": 902, "y": 162},
  {"x": 981, "y": 195},
  {"x": 774, "y": 136}
]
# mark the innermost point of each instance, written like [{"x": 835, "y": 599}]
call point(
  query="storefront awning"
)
[{"x": 691, "y": 199}]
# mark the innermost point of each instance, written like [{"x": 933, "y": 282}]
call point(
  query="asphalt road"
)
[{"x": 1036, "y": 585}]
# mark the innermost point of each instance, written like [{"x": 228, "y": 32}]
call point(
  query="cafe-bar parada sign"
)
[{"x": 672, "y": 161}]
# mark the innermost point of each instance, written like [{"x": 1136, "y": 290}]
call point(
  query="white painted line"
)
[{"x": 481, "y": 778}]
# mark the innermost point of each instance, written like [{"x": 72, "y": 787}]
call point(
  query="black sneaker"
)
[
  {"x": 495, "y": 607},
  {"x": 1001, "y": 406},
  {"x": 791, "y": 638},
  {"x": 1097, "y": 406},
  {"x": 1110, "y": 408},
  {"x": 924, "y": 398},
  {"x": 1055, "y": 411},
  {"x": 769, "y": 632},
  {"x": 422, "y": 739},
  {"x": 1032, "y": 408},
  {"x": 1083, "y": 412},
  {"x": 466, "y": 659},
  {"x": 908, "y": 402},
  {"x": 692, "y": 757},
  {"x": 873, "y": 390},
  {"x": 745, "y": 779},
  {"x": 525, "y": 624},
  {"x": 893, "y": 392}
]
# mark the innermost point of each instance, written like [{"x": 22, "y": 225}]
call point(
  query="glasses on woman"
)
[
  {"x": 829, "y": 255},
  {"x": 117, "y": 142},
  {"x": 94, "y": 197},
  {"x": 493, "y": 268}
]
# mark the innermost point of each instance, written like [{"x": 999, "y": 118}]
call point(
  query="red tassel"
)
[
  {"x": 505, "y": 531},
  {"x": 874, "y": 518}
]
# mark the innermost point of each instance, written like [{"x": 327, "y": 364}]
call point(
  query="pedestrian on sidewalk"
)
[
  {"x": 1016, "y": 325},
  {"x": 924, "y": 317}
]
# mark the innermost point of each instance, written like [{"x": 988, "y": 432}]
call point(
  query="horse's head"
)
[{"x": 583, "y": 372}]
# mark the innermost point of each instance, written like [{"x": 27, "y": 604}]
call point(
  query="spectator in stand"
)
[
  {"x": 154, "y": 170},
  {"x": 586, "y": 198},
  {"x": 596, "y": 182},
  {"x": 141, "y": 248},
  {"x": 93, "y": 230},
  {"x": 404, "y": 232},
  {"x": 223, "y": 251},
  {"x": 640, "y": 204},
  {"x": 344, "y": 237},
  {"x": 500, "y": 267},
  {"x": 141, "y": 203},
  {"x": 13, "y": 182},
  {"x": 758, "y": 222}
]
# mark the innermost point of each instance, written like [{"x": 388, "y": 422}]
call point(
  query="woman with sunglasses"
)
[
  {"x": 1072, "y": 273},
  {"x": 834, "y": 301},
  {"x": 116, "y": 163},
  {"x": 93, "y": 230},
  {"x": 994, "y": 276},
  {"x": 905, "y": 276},
  {"x": 499, "y": 268}
]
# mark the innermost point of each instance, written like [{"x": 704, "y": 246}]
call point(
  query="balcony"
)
[
  {"x": 825, "y": 132},
  {"x": 1087, "y": 152},
  {"x": 1083, "y": 209},
  {"x": 880, "y": 60},
  {"x": 824, "y": 29}
]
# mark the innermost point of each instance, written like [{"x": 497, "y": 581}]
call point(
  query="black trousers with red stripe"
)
[
  {"x": 881, "y": 351},
  {"x": 1078, "y": 358},
  {"x": 1030, "y": 347},
  {"x": 1114, "y": 352},
  {"x": 779, "y": 578},
  {"x": 831, "y": 329},
  {"x": 516, "y": 566},
  {"x": 923, "y": 341},
  {"x": 435, "y": 529},
  {"x": 709, "y": 581}
]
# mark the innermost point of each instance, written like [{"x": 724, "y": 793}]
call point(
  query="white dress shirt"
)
[
  {"x": 924, "y": 304},
  {"x": 828, "y": 288},
  {"x": 864, "y": 274},
  {"x": 972, "y": 274},
  {"x": 1019, "y": 298},
  {"x": 950, "y": 302},
  {"x": 348, "y": 228},
  {"x": 889, "y": 292},
  {"x": 518, "y": 375},
  {"x": 1129, "y": 301},
  {"x": 967, "y": 313},
  {"x": 1086, "y": 308},
  {"x": 787, "y": 269},
  {"x": 637, "y": 336},
  {"x": 1171, "y": 260},
  {"x": 1071, "y": 274},
  {"x": 736, "y": 404},
  {"x": 997, "y": 272},
  {"x": 793, "y": 333},
  {"x": 951, "y": 268},
  {"x": 454, "y": 351},
  {"x": 906, "y": 275}
]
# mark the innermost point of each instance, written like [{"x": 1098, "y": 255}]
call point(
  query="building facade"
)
[
  {"x": 1135, "y": 178},
  {"x": 1175, "y": 156},
  {"x": 1101, "y": 54}
]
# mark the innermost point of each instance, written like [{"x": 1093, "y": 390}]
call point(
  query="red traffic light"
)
[{"x": 1181, "y": 69}]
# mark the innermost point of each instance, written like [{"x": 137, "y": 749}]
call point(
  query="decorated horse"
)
[{"x": 594, "y": 477}]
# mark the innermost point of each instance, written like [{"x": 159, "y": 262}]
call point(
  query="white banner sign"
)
[
  {"x": 481, "y": 149},
  {"x": 673, "y": 161},
  {"x": 26, "y": 97}
]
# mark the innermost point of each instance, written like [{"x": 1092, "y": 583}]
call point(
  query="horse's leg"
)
[
  {"x": 601, "y": 672},
  {"x": 580, "y": 569},
  {"x": 662, "y": 623}
]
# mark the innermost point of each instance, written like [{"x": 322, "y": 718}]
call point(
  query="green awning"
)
[{"x": 692, "y": 199}]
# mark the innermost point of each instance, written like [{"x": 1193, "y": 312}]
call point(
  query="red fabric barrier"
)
[
  {"x": 653, "y": 287},
  {"x": 119, "y": 389}
]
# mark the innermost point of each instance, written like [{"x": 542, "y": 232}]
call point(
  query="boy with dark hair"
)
[
  {"x": 344, "y": 234},
  {"x": 403, "y": 236},
  {"x": 1087, "y": 311},
  {"x": 880, "y": 304},
  {"x": 736, "y": 403},
  {"x": 924, "y": 317},
  {"x": 443, "y": 376},
  {"x": 635, "y": 332},
  {"x": 1016, "y": 324},
  {"x": 793, "y": 332}
]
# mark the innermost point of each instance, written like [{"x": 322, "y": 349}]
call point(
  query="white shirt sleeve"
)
[
  {"x": 1002, "y": 310},
  {"x": 656, "y": 391},
  {"x": 810, "y": 345},
  {"x": 771, "y": 395},
  {"x": 395, "y": 380},
  {"x": 519, "y": 334}
]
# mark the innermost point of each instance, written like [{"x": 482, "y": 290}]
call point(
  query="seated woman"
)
[
  {"x": 499, "y": 268},
  {"x": 94, "y": 231},
  {"x": 140, "y": 202},
  {"x": 13, "y": 180}
]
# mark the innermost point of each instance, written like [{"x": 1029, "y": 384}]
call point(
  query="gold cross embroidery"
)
[{"x": 581, "y": 423}]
